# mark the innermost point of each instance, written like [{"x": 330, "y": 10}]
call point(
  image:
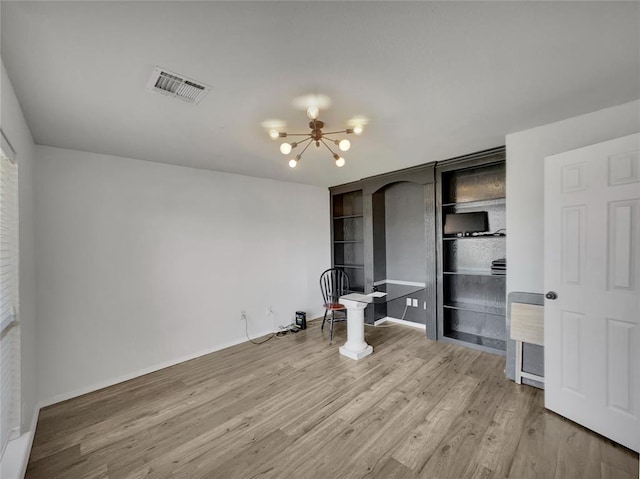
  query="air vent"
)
[{"x": 177, "y": 86}]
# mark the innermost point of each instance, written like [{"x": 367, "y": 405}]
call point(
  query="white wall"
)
[
  {"x": 526, "y": 151},
  {"x": 17, "y": 132},
  {"x": 143, "y": 264}
]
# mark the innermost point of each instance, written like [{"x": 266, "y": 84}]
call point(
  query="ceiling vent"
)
[{"x": 177, "y": 86}]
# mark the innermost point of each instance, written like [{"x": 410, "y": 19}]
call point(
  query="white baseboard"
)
[
  {"x": 400, "y": 321},
  {"x": 141, "y": 372},
  {"x": 16, "y": 455}
]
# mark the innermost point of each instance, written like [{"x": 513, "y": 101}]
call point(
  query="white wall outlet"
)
[
  {"x": 415, "y": 302},
  {"x": 424, "y": 306},
  {"x": 408, "y": 301},
  {"x": 243, "y": 315}
]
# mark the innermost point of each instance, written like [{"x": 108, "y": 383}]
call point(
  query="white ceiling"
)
[{"x": 436, "y": 80}]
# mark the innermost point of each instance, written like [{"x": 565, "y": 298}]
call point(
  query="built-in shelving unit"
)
[
  {"x": 389, "y": 228},
  {"x": 471, "y": 303},
  {"x": 348, "y": 236}
]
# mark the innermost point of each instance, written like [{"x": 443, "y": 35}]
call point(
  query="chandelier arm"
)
[
  {"x": 297, "y": 134},
  {"x": 335, "y": 132},
  {"x": 307, "y": 146},
  {"x": 328, "y": 148}
]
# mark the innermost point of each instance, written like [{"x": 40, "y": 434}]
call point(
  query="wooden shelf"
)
[
  {"x": 476, "y": 273},
  {"x": 476, "y": 307},
  {"x": 350, "y": 266},
  {"x": 489, "y": 201},
  {"x": 449, "y": 238}
]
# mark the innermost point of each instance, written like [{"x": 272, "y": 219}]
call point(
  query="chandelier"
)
[{"x": 317, "y": 136}]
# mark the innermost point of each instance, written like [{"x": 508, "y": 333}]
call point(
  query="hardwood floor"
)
[{"x": 294, "y": 408}]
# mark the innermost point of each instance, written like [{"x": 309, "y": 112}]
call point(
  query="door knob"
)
[{"x": 551, "y": 295}]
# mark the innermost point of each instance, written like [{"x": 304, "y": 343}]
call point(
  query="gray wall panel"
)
[{"x": 405, "y": 232}]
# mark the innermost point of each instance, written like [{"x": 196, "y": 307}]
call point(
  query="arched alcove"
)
[{"x": 399, "y": 245}]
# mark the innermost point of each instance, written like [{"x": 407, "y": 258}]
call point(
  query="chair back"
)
[{"x": 334, "y": 283}]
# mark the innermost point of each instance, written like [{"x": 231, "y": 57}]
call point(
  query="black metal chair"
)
[{"x": 333, "y": 284}]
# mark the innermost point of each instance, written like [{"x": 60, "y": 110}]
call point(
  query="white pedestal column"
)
[{"x": 355, "y": 347}]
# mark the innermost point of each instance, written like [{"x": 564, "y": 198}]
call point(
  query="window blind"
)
[{"x": 9, "y": 329}]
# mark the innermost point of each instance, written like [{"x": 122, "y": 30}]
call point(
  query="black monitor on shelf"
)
[{"x": 466, "y": 223}]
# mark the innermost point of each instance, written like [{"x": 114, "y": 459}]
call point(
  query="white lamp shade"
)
[
  {"x": 285, "y": 148},
  {"x": 313, "y": 112},
  {"x": 340, "y": 162},
  {"x": 344, "y": 145}
]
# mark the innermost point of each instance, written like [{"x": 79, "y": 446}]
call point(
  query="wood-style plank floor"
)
[{"x": 294, "y": 408}]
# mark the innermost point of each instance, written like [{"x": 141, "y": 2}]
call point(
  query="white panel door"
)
[{"x": 592, "y": 279}]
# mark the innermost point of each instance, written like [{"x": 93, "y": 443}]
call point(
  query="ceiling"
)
[{"x": 435, "y": 79}]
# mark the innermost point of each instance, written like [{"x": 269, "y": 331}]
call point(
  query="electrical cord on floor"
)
[
  {"x": 285, "y": 330},
  {"x": 406, "y": 306},
  {"x": 246, "y": 332}
]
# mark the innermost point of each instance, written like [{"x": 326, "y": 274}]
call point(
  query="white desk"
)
[{"x": 356, "y": 347}]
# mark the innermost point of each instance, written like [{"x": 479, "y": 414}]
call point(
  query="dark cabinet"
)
[
  {"x": 472, "y": 264},
  {"x": 383, "y": 232},
  {"x": 390, "y": 229},
  {"x": 348, "y": 236}
]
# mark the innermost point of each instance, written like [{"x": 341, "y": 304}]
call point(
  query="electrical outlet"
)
[
  {"x": 425, "y": 306},
  {"x": 415, "y": 302},
  {"x": 243, "y": 315},
  {"x": 408, "y": 301}
]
